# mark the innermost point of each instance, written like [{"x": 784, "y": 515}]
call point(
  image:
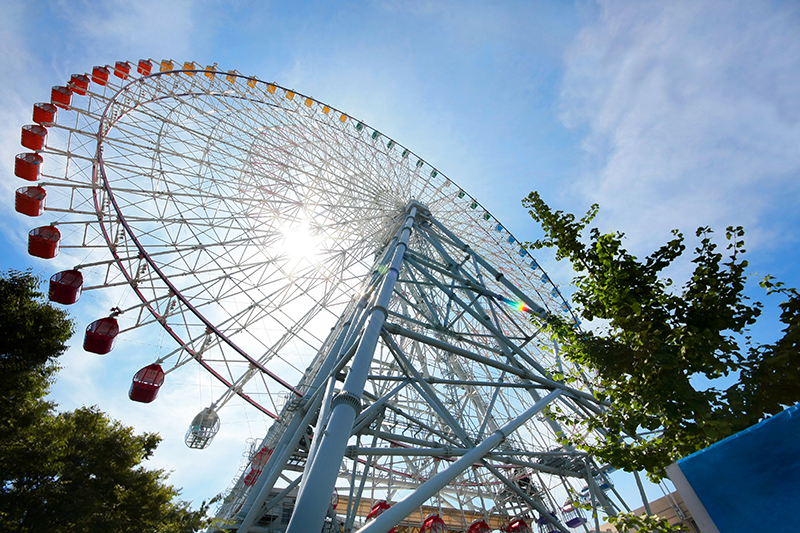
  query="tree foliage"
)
[
  {"x": 658, "y": 341},
  {"x": 644, "y": 524},
  {"x": 75, "y": 471},
  {"x": 33, "y": 334},
  {"x": 80, "y": 471}
]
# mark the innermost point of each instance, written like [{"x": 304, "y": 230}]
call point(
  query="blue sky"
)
[{"x": 669, "y": 115}]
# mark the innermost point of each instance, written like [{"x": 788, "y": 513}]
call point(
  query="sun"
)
[{"x": 299, "y": 242}]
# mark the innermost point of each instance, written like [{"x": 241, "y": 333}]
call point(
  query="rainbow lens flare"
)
[{"x": 516, "y": 305}]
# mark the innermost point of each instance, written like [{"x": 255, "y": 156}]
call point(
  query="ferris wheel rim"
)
[{"x": 99, "y": 172}]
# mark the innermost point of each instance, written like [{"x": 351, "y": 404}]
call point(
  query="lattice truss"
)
[{"x": 454, "y": 364}]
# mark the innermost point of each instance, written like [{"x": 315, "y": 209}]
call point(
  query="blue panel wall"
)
[{"x": 751, "y": 480}]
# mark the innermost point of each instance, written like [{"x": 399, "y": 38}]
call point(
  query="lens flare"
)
[{"x": 519, "y": 306}]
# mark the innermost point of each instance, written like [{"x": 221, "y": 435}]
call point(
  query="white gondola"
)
[{"x": 203, "y": 429}]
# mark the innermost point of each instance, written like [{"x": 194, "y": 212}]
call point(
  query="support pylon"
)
[{"x": 445, "y": 367}]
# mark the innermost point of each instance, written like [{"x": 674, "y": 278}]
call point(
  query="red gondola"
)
[
  {"x": 377, "y": 509},
  {"x": 61, "y": 97},
  {"x": 122, "y": 69},
  {"x": 261, "y": 457},
  {"x": 100, "y": 75},
  {"x": 65, "y": 287},
  {"x": 257, "y": 465},
  {"x": 44, "y": 113},
  {"x": 100, "y": 335},
  {"x": 33, "y": 136},
  {"x": 30, "y": 201},
  {"x": 479, "y": 526},
  {"x": 43, "y": 242},
  {"x": 251, "y": 477},
  {"x": 433, "y": 524},
  {"x": 79, "y": 83},
  {"x": 518, "y": 525},
  {"x": 146, "y": 383},
  {"x": 28, "y": 166},
  {"x": 145, "y": 67}
]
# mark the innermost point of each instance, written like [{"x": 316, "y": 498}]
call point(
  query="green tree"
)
[
  {"x": 75, "y": 471},
  {"x": 656, "y": 340},
  {"x": 32, "y": 337},
  {"x": 80, "y": 471}
]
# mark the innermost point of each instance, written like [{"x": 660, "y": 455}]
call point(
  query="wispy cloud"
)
[
  {"x": 691, "y": 114},
  {"x": 120, "y": 25}
]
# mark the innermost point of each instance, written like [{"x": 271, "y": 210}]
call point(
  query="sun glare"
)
[{"x": 300, "y": 243}]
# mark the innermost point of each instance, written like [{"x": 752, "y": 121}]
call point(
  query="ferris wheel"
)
[{"x": 264, "y": 231}]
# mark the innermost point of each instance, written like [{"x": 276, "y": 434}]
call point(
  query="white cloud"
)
[
  {"x": 120, "y": 25},
  {"x": 691, "y": 115},
  {"x": 16, "y": 109}
]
